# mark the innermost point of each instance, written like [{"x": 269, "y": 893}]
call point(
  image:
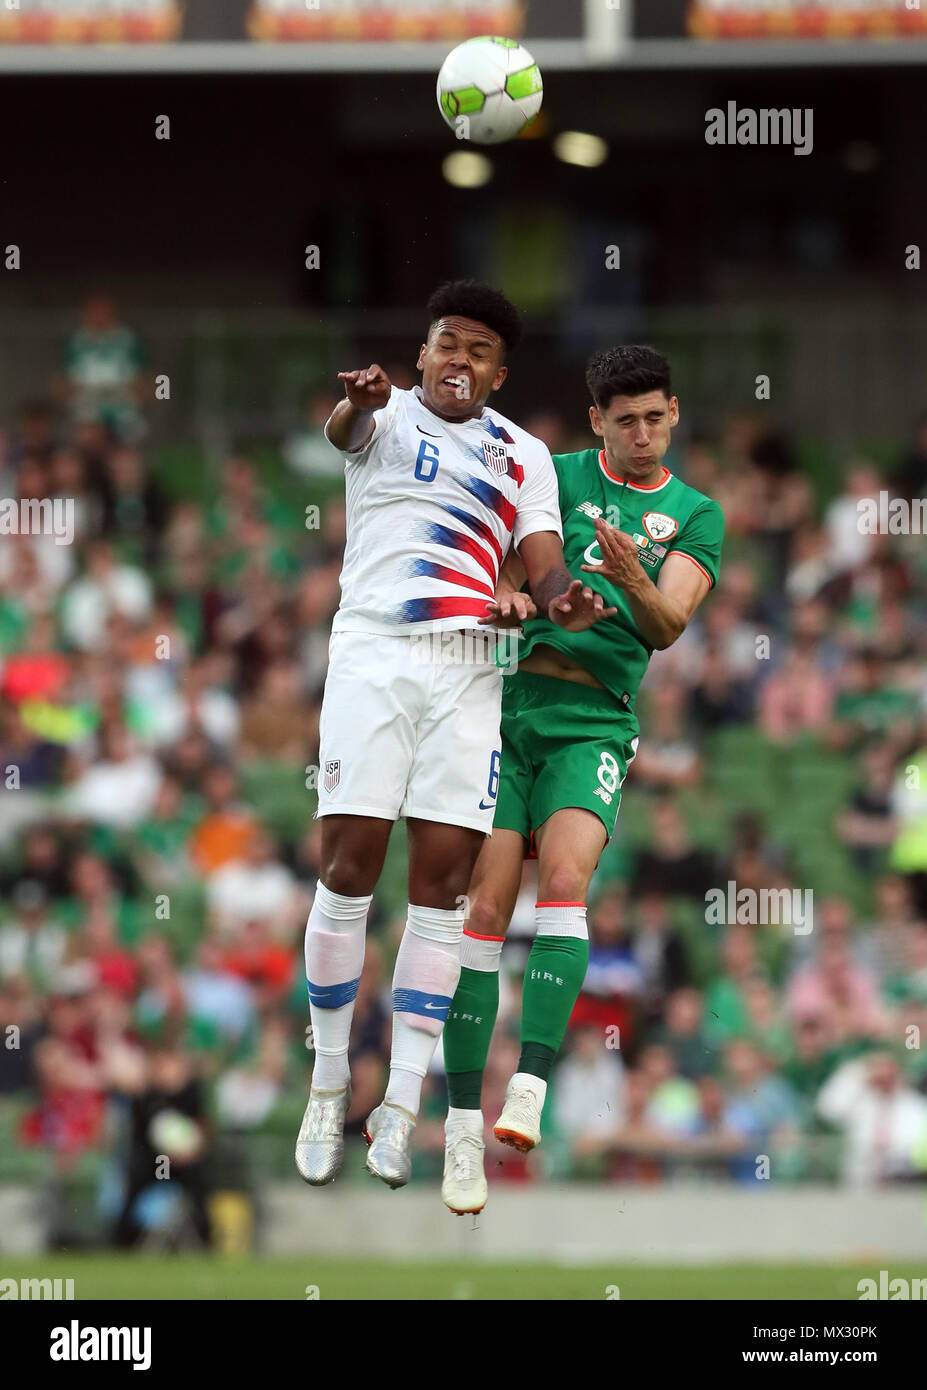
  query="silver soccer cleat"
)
[
  {"x": 389, "y": 1131},
  {"x": 320, "y": 1145}
]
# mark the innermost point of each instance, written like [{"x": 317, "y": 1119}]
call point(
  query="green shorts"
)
[{"x": 563, "y": 745}]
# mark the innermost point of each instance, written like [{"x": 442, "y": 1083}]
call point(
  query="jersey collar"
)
[{"x": 638, "y": 487}]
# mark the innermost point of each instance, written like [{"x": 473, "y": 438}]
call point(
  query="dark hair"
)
[
  {"x": 468, "y": 299},
  {"x": 627, "y": 371}
]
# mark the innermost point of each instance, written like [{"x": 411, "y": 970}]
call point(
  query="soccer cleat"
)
[
  {"x": 519, "y": 1125},
  {"x": 388, "y": 1131},
  {"x": 320, "y": 1144},
  {"x": 463, "y": 1189}
]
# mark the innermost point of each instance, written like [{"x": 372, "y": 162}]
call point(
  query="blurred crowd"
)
[{"x": 160, "y": 687}]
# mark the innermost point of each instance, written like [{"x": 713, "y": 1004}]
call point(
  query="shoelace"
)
[
  {"x": 524, "y": 1098},
  {"x": 461, "y": 1161}
]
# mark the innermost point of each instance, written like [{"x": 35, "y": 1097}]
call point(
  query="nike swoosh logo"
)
[
  {"x": 432, "y": 1006},
  {"x": 484, "y": 807},
  {"x": 429, "y": 433}
]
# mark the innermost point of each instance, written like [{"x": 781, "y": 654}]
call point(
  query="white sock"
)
[
  {"x": 424, "y": 981},
  {"x": 561, "y": 919},
  {"x": 335, "y": 937},
  {"x": 481, "y": 952},
  {"x": 524, "y": 1080},
  {"x": 469, "y": 1119}
]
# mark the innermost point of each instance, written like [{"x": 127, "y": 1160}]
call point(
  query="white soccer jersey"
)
[{"x": 431, "y": 510}]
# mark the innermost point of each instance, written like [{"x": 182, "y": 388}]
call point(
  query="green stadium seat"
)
[{"x": 279, "y": 794}]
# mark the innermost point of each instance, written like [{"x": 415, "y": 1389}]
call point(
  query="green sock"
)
[
  {"x": 553, "y": 979},
  {"x": 537, "y": 1059},
  {"x": 467, "y": 1035}
]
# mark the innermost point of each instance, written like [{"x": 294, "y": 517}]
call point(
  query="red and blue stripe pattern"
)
[
  {"x": 479, "y": 540},
  {"x": 449, "y": 539},
  {"x": 431, "y": 569},
  {"x": 478, "y": 527},
  {"x": 490, "y": 497},
  {"x": 431, "y": 610}
]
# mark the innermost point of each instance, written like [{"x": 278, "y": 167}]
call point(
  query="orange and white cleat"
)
[{"x": 519, "y": 1125}]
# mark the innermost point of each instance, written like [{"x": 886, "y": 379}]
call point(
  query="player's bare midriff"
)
[{"x": 547, "y": 661}]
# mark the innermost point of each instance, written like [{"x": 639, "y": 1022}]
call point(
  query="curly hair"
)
[{"x": 468, "y": 299}]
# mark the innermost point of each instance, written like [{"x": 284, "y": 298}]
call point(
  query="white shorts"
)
[{"x": 410, "y": 727}]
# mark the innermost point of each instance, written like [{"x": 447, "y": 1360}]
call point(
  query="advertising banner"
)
[
  {"x": 383, "y": 20},
  {"x": 90, "y": 21},
  {"x": 806, "y": 19}
]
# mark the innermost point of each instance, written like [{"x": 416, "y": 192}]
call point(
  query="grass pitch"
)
[{"x": 102, "y": 1276}]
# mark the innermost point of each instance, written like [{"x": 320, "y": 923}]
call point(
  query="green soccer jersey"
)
[{"x": 665, "y": 518}]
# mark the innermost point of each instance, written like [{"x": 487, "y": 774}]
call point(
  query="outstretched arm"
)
[{"x": 350, "y": 424}]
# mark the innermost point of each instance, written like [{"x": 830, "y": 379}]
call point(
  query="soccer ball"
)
[
  {"x": 174, "y": 1134},
  {"x": 489, "y": 89}
]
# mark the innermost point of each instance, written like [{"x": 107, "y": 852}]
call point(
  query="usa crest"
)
[
  {"x": 332, "y": 775},
  {"x": 496, "y": 457},
  {"x": 659, "y": 526}
]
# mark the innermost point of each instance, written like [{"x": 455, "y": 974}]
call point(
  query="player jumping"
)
[
  {"x": 569, "y": 732},
  {"x": 437, "y": 486}
]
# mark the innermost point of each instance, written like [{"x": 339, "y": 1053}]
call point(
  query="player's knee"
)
[
  {"x": 445, "y": 889},
  {"x": 485, "y": 916},
  {"x": 346, "y": 873},
  {"x": 564, "y": 883}
]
